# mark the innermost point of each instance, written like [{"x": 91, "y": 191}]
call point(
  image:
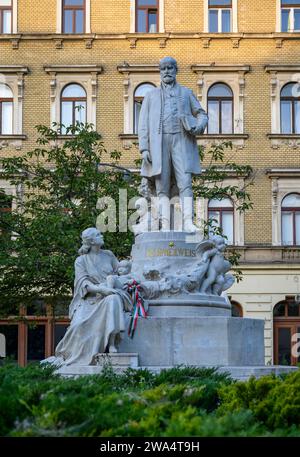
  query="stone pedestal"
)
[
  {"x": 204, "y": 340},
  {"x": 188, "y": 328}
]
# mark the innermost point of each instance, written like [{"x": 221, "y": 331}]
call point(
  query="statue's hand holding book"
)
[{"x": 191, "y": 124}]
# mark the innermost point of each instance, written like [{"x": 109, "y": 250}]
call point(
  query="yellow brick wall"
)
[
  {"x": 110, "y": 16},
  {"x": 184, "y": 16},
  {"x": 180, "y": 16},
  {"x": 256, "y": 16},
  {"x": 37, "y": 16}
]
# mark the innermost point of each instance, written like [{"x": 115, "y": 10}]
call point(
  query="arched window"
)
[
  {"x": 73, "y": 16},
  {"x": 73, "y": 105},
  {"x": 220, "y": 109},
  {"x": 139, "y": 95},
  {"x": 290, "y": 108},
  {"x": 220, "y": 212},
  {"x": 236, "y": 309},
  {"x": 147, "y": 16},
  {"x": 6, "y": 110},
  {"x": 290, "y": 220},
  {"x": 286, "y": 316},
  {"x": 5, "y": 16}
]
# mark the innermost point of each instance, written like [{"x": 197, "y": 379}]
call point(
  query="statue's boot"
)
[
  {"x": 188, "y": 213},
  {"x": 111, "y": 344},
  {"x": 165, "y": 216}
]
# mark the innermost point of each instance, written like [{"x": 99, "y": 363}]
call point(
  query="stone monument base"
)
[
  {"x": 199, "y": 341},
  {"x": 238, "y": 373}
]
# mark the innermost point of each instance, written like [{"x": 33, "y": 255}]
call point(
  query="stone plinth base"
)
[
  {"x": 238, "y": 373},
  {"x": 204, "y": 340},
  {"x": 118, "y": 361}
]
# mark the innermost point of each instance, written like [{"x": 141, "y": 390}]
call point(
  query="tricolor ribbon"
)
[{"x": 134, "y": 290}]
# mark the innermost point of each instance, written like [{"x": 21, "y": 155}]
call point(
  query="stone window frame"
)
[
  {"x": 61, "y": 76},
  {"x": 223, "y": 210},
  {"x": 280, "y": 75},
  {"x": 14, "y": 8},
  {"x": 238, "y": 216},
  {"x": 59, "y": 16},
  {"x": 11, "y": 190},
  {"x": 234, "y": 19},
  {"x": 161, "y": 16},
  {"x": 284, "y": 181},
  {"x": 134, "y": 76},
  {"x": 234, "y": 77},
  {"x": 13, "y": 77},
  {"x": 278, "y": 18}
]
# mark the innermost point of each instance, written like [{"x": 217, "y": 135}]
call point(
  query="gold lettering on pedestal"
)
[{"x": 171, "y": 252}]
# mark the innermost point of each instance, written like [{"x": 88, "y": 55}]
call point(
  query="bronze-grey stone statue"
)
[{"x": 171, "y": 118}]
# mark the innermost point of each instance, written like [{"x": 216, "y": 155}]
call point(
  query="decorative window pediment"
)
[
  {"x": 233, "y": 77},
  {"x": 62, "y": 76},
  {"x": 135, "y": 76},
  {"x": 11, "y": 105},
  {"x": 285, "y": 183},
  {"x": 285, "y": 108}
]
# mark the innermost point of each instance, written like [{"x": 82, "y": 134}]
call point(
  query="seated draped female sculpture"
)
[{"x": 97, "y": 310}]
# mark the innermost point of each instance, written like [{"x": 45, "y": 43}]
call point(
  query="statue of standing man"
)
[{"x": 171, "y": 117}]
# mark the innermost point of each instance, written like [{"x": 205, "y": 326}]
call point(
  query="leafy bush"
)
[{"x": 177, "y": 402}]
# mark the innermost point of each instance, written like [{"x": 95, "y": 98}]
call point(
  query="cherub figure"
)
[
  {"x": 119, "y": 281},
  {"x": 216, "y": 280}
]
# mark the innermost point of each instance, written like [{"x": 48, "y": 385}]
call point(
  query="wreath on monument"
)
[{"x": 134, "y": 290}]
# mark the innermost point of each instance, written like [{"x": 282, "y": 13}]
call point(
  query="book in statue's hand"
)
[{"x": 189, "y": 123}]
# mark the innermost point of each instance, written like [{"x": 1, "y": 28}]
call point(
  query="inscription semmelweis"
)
[{"x": 171, "y": 252}]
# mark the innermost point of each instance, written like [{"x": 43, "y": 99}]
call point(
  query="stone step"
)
[
  {"x": 242, "y": 373},
  {"x": 119, "y": 359}
]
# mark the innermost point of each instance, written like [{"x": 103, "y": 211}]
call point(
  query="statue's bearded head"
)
[{"x": 168, "y": 70}]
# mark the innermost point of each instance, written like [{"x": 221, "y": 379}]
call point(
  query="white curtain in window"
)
[
  {"x": 7, "y": 118},
  {"x": 287, "y": 228},
  {"x": 66, "y": 114},
  {"x": 227, "y": 223},
  {"x": 80, "y": 111},
  {"x": 297, "y": 228}
]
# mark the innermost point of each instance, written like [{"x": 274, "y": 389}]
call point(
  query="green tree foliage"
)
[{"x": 58, "y": 185}]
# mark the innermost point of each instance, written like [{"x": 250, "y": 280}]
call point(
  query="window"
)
[
  {"x": 73, "y": 105},
  {"x": 35, "y": 335},
  {"x": 6, "y": 110},
  {"x": 290, "y": 108},
  {"x": 5, "y": 210},
  {"x": 5, "y": 16},
  {"x": 290, "y": 220},
  {"x": 286, "y": 327},
  {"x": 221, "y": 213},
  {"x": 73, "y": 81},
  {"x": 219, "y": 16},
  {"x": 290, "y": 15},
  {"x": 220, "y": 109},
  {"x": 139, "y": 95},
  {"x": 73, "y": 16},
  {"x": 138, "y": 80},
  {"x": 236, "y": 309},
  {"x": 147, "y": 16}
]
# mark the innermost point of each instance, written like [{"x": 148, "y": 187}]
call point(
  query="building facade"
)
[{"x": 241, "y": 59}]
